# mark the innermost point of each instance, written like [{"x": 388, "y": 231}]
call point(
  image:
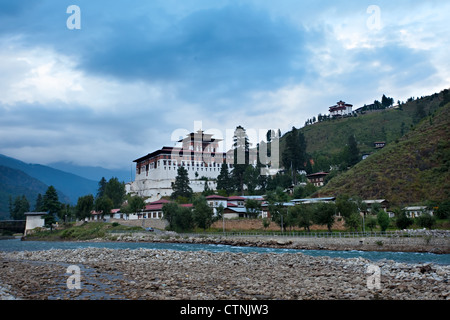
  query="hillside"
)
[
  {"x": 327, "y": 139},
  {"x": 69, "y": 184},
  {"x": 412, "y": 169},
  {"x": 15, "y": 183}
]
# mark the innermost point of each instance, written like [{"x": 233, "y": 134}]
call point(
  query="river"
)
[{"x": 407, "y": 257}]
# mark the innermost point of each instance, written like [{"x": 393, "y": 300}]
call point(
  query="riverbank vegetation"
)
[{"x": 85, "y": 231}]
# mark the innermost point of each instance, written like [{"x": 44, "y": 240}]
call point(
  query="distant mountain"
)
[
  {"x": 69, "y": 184},
  {"x": 94, "y": 173},
  {"x": 409, "y": 170},
  {"x": 14, "y": 183}
]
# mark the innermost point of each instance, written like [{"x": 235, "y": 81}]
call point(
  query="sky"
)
[{"x": 106, "y": 82}]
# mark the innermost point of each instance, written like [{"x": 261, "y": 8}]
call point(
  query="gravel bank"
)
[
  {"x": 175, "y": 275},
  {"x": 436, "y": 244}
]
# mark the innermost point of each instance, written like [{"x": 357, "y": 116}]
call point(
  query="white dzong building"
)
[{"x": 199, "y": 155}]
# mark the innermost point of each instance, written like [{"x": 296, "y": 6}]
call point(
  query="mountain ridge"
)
[{"x": 69, "y": 184}]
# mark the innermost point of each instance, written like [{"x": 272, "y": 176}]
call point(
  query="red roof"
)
[
  {"x": 157, "y": 205},
  {"x": 215, "y": 196},
  {"x": 317, "y": 174},
  {"x": 234, "y": 198},
  {"x": 229, "y": 204},
  {"x": 153, "y": 207}
]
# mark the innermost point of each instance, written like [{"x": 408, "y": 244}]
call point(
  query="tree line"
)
[{"x": 111, "y": 194}]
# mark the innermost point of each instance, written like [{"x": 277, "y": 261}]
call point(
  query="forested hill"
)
[
  {"x": 412, "y": 169},
  {"x": 15, "y": 183},
  {"x": 326, "y": 140},
  {"x": 71, "y": 185}
]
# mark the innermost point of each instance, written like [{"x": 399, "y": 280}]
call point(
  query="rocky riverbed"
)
[
  {"x": 146, "y": 274},
  {"x": 438, "y": 243}
]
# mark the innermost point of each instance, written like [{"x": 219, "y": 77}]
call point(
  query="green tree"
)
[
  {"x": 251, "y": 175},
  {"x": 382, "y": 219},
  {"x": 253, "y": 207},
  {"x": 442, "y": 210},
  {"x": 180, "y": 218},
  {"x": 84, "y": 207},
  {"x": 353, "y": 151},
  {"x": 241, "y": 151},
  {"x": 294, "y": 155},
  {"x": 402, "y": 221},
  {"x": 310, "y": 189},
  {"x": 426, "y": 220},
  {"x": 371, "y": 222},
  {"x": 51, "y": 205},
  {"x": 103, "y": 205},
  {"x": 266, "y": 223},
  {"x": 291, "y": 219},
  {"x": 67, "y": 212},
  {"x": 224, "y": 180},
  {"x": 353, "y": 221},
  {"x": 51, "y": 202},
  {"x": 101, "y": 187},
  {"x": 345, "y": 206},
  {"x": 305, "y": 216},
  {"x": 19, "y": 207},
  {"x": 170, "y": 212},
  {"x": 115, "y": 190},
  {"x": 386, "y": 101},
  {"x": 181, "y": 185},
  {"x": 134, "y": 204},
  {"x": 419, "y": 112},
  {"x": 38, "y": 206},
  {"x": 324, "y": 214},
  {"x": 203, "y": 214}
]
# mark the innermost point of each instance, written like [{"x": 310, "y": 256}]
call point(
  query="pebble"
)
[{"x": 135, "y": 274}]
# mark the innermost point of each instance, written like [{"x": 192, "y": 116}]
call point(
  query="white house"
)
[
  {"x": 341, "y": 109},
  {"x": 416, "y": 211},
  {"x": 215, "y": 201},
  {"x": 34, "y": 220}
]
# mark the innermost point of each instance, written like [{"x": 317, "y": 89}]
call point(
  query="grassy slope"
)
[
  {"x": 412, "y": 170},
  {"x": 328, "y": 138},
  {"x": 86, "y": 231}
]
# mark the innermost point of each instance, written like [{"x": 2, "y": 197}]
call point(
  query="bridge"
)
[{"x": 8, "y": 227}]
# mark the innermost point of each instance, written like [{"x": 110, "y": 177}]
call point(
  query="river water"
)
[{"x": 407, "y": 257}]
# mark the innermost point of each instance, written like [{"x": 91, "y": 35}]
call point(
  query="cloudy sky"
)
[{"x": 138, "y": 74}]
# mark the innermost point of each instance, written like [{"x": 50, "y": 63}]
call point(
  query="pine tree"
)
[
  {"x": 51, "y": 202},
  {"x": 294, "y": 156},
  {"x": 52, "y": 205},
  {"x": 353, "y": 151},
  {"x": 38, "y": 207},
  {"x": 19, "y": 207},
  {"x": 181, "y": 187},
  {"x": 241, "y": 157},
  {"x": 224, "y": 180},
  {"x": 101, "y": 187}
]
